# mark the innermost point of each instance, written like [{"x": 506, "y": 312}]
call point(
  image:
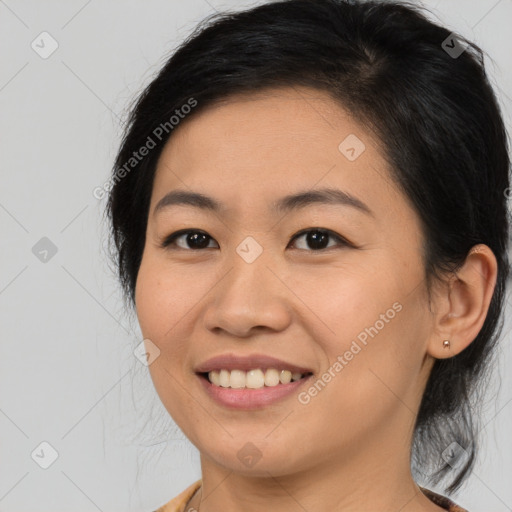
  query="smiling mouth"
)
[{"x": 253, "y": 379}]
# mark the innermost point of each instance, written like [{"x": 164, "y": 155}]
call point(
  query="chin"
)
[{"x": 250, "y": 459}]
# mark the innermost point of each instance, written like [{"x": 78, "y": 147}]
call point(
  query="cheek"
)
[
  {"x": 161, "y": 299},
  {"x": 343, "y": 300},
  {"x": 168, "y": 299},
  {"x": 161, "y": 314},
  {"x": 147, "y": 300},
  {"x": 381, "y": 360},
  {"x": 369, "y": 326},
  {"x": 159, "y": 310}
]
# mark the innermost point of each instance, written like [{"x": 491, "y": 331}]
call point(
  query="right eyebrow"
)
[{"x": 184, "y": 197}]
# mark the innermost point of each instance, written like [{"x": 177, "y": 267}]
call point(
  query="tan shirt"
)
[{"x": 179, "y": 503}]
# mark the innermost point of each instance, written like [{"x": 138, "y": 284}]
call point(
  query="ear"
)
[{"x": 462, "y": 304}]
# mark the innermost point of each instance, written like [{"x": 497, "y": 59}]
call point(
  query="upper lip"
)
[{"x": 246, "y": 363}]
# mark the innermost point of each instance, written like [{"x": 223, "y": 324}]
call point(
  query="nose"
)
[{"x": 251, "y": 297}]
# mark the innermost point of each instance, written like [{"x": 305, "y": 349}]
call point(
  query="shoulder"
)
[
  {"x": 442, "y": 501},
  {"x": 178, "y": 503}
]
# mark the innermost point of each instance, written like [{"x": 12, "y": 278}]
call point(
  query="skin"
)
[{"x": 348, "y": 448}]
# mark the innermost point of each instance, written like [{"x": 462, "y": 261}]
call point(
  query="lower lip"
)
[{"x": 247, "y": 398}]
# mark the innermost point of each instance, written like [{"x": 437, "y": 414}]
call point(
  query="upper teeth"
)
[{"x": 252, "y": 379}]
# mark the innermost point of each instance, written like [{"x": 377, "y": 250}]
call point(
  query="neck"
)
[{"x": 369, "y": 477}]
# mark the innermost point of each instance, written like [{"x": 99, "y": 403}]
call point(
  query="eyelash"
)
[{"x": 169, "y": 241}]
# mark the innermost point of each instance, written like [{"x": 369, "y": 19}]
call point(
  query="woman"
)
[{"x": 309, "y": 209}]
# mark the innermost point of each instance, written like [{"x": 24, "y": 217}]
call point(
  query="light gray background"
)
[{"x": 68, "y": 375}]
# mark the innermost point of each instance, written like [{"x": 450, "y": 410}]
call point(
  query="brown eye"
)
[
  {"x": 318, "y": 239},
  {"x": 194, "y": 240}
]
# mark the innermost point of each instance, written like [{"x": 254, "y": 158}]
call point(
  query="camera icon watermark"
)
[
  {"x": 249, "y": 250},
  {"x": 146, "y": 352},
  {"x": 249, "y": 454},
  {"x": 351, "y": 147},
  {"x": 44, "y": 250},
  {"x": 44, "y": 45},
  {"x": 455, "y": 455},
  {"x": 453, "y": 46},
  {"x": 44, "y": 455}
]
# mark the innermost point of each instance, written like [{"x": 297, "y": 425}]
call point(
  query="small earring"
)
[{"x": 446, "y": 343}]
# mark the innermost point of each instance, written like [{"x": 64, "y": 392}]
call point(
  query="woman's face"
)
[{"x": 351, "y": 310}]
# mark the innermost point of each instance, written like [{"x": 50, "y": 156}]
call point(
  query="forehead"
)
[{"x": 251, "y": 149}]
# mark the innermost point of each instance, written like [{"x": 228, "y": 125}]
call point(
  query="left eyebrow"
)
[
  {"x": 294, "y": 201},
  {"x": 323, "y": 196}
]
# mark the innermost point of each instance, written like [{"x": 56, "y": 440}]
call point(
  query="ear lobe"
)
[{"x": 464, "y": 303}]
